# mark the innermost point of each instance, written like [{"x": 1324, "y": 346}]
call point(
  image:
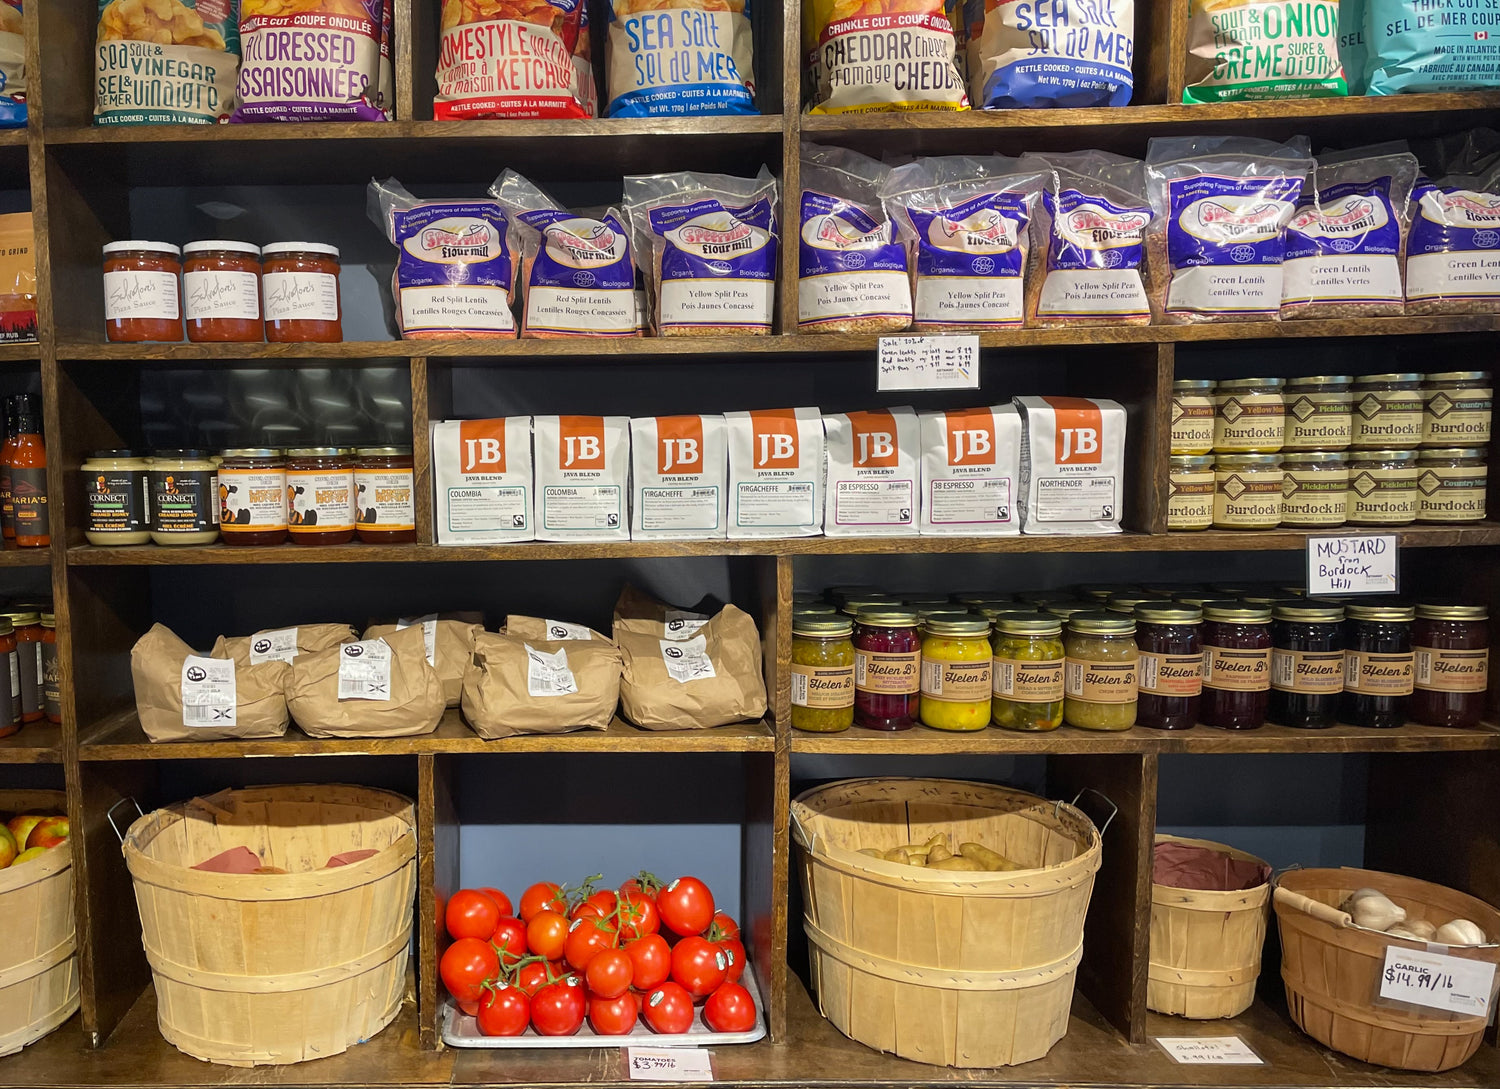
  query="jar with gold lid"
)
[
  {"x": 1101, "y": 671},
  {"x": 1028, "y": 671},
  {"x": 1382, "y": 488},
  {"x": 1190, "y": 492},
  {"x": 822, "y": 673},
  {"x": 1319, "y": 412},
  {"x": 1379, "y": 663},
  {"x": 1193, "y": 416},
  {"x": 1314, "y": 488},
  {"x": 320, "y": 494},
  {"x": 1250, "y": 416},
  {"x": 1456, "y": 408},
  {"x": 1247, "y": 491},
  {"x": 957, "y": 671},
  {"x": 1236, "y": 665},
  {"x": 1451, "y": 484},
  {"x": 1387, "y": 411},
  {"x": 385, "y": 495},
  {"x": 1169, "y": 637},
  {"x": 887, "y": 669},
  {"x": 1451, "y": 678}
]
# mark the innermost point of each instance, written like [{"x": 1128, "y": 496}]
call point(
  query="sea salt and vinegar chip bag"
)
[
  {"x": 670, "y": 58},
  {"x": 310, "y": 60},
  {"x": 865, "y": 56},
  {"x": 165, "y": 62},
  {"x": 511, "y": 59}
]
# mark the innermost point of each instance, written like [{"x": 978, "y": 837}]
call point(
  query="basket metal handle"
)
[
  {"x": 1307, "y": 905},
  {"x": 109, "y": 814},
  {"x": 1114, "y": 810}
]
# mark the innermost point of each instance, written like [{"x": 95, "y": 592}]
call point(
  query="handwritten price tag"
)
[
  {"x": 1339, "y": 566},
  {"x": 908, "y": 363},
  {"x": 1438, "y": 981},
  {"x": 1211, "y": 1050},
  {"x": 668, "y": 1064}
]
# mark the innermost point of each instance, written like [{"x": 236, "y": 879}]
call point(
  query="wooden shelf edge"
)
[
  {"x": 34, "y": 743},
  {"x": 25, "y": 351}
]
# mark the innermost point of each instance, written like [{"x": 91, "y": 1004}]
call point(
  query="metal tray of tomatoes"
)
[{"x": 461, "y": 1030}]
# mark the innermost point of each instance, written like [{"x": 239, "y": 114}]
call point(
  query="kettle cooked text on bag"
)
[
  {"x": 521, "y": 684},
  {"x": 165, "y": 62},
  {"x": 1027, "y": 55},
  {"x": 512, "y": 59},
  {"x": 182, "y": 696},
  {"x": 672, "y": 58},
  {"x": 1245, "y": 50},
  {"x": 380, "y": 688},
  {"x": 312, "y": 60}
]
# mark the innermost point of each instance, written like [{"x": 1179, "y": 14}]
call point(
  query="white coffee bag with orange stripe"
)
[
  {"x": 872, "y": 473},
  {"x": 582, "y": 478},
  {"x": 971, "y": 464},
  {"x": 1072, "y": 465},
  {"x": 481, "y": 476},
  {"x": 775, "y": 473},
  {"x": 678, "y": 478}
]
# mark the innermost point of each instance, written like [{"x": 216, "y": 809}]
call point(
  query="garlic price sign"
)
[
  {"x": 1363, "y": 564},
  {"x": 1437, "y": 981}
]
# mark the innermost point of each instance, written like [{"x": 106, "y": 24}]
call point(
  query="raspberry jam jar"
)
[
  {"x": 1378, "y": 663},
  {"x": 1236, "y": 665},
  {"x": 1307, "y": 663},
  {"x": 1451, "y": 678},
  {"x": 887, "y": 669},
  {"x": 1170, "y": 640}
]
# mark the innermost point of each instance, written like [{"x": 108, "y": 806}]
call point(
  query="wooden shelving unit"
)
[{"x": 90, "y": 185}]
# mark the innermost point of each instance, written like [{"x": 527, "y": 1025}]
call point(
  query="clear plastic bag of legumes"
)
[
  {"x": 1452, "y": 265},
  {"x": 576, "y": 266},
  {"x": 966, "y": 225},
  {"x": 1221, "y": 205}
]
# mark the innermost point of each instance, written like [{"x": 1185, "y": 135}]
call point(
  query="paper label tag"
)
[
  {"x": 946, "y": 362},
  {"x": 208, "y": 695},
  {"x": 1437, "y": 981},
  {"x": 561, "y": 631},
  {"x": 274, "y": 646},
  {"x": 1213, "y": 1050},
  {"x": 548, "y": 674},
  {"x": 429, "y": 633},
  {"x": 669, "y": 1064},
  {"x": 365, "y": 670},
  {"x": 1339, "y": 566},
  {"x": 684, "y": 625},
  {"x": 687, "y": 659}
]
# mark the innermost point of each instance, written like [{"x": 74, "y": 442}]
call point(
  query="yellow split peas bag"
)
[{"x": 868, "y": 56}]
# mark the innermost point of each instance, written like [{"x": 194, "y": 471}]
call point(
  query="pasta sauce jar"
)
[
  {"x": 221, "y": 291},
  {"x": 887, "y": 669},
  {"x": 252, "y": 497},
  {"x": 1192, "y": 416},
  {"x": 385, "y": 512},
  {"x": 300, "y": 290},
  {"x": 320, "y": 495},
  {"x": 957, "y": 671},
  {"x": 142, "y": 299},
  {"x": 1171, "y": 664},
  {"x": 1319, "y": 412},
  {"x": 1028, "y": 689},
  {"x": 1456, "y": 408},
  {"x": 1387, "y": 411},
  {"x": 1100, "y": 672},
  {"x": 1236, "y": 665},
  {"x": 1307, "y": 663},
  {"x": 1451, "y": 669},
  {"x": 1378, "y": 663},
  {"x": 822, "y": 673}
]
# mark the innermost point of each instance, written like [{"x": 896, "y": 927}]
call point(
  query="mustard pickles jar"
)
[
  {"x": 1314, "y": 489},
  {"x": 1190, "y": 492},
  {"x": 1250, "y": 416},
  {"x": 1028, "y": 672},
  {"x": 1456, "y": 408},
  {"x": 957, "y": 672},
  {"x": 1192, "y": 416},
  {"x": 1319, "y": 412},
  {"x": 1387, "y": 411},
  {"x": 822, "y": 673},
  {"x": 1100, "y": 672}
]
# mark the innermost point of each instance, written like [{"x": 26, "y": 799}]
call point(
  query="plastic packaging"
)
[
  {"x": 311, "y": 60},
  {"x": 1452, "y": 266},
  {"x": 502, "y": 59},
  {"x": 1245, "y": 50},
  {"x": 1423, "y": 46},
  {"x": 868, "y": 56},
  {"x": 12, "y": 66},
  {"x": 194, "y": 51},
  {"x": 1041, "y": 54},
  {"x": 668, "y": 58}
]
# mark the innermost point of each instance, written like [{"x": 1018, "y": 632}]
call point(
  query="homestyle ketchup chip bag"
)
[{"x": 510, "y": 59}]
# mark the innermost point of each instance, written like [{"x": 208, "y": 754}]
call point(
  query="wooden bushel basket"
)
[
  {"x": 39, "y": 961},
  {"x": 953, "y": 968},
  {"x": 256, "y": 969},
  {"x": 1332, "y": 968},
  {"x": 1206, "y": 945}
]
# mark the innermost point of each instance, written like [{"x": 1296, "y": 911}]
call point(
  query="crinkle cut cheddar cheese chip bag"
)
[{"x": 866, "y": 56}]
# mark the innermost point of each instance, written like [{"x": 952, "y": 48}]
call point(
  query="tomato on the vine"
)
[
  {"x": 686, "y": 906},
  {"x": 699, "y": 965},
  {"x": 466, "y": 966},
  {"x": 547, "y": 934},
  {"x": 531, "y": 978},
  {"x": 650, "y": 961},
  {"x": 726, "y": 924},
  {"x": 471, "y": 914},
  {"x": 543, "y": 896},
  {"x": 504, "y": 1011},
  {"x": 610, "y": 973},
  {"x": 638, "y": 915},
  {"x": 614, "y": 1016},
  {"x": 509, "y": 939},
  {"x": 642, "y": 884},
  {"x": 501, "y": 900},
  {"x": 558, "y": 1008},
  {"x": 730, "y": 1009},
  {"x": 734, "y": 958},
  {"x": 668, "y": 1009},
  {"x": 587, "y": 937},
  {"x": 598, "y": 904}
]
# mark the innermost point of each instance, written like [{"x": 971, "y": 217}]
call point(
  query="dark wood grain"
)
[
  {"x": 763, "y": 881},
  {"x": 421, "y": 450},
  {"x": 36, "y": 743}
]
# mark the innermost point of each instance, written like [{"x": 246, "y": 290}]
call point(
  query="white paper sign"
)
[
  {"x": 949, "y": 362},
  {"x": 1338, "y": 566},
  {"x": 1213, "y": 1050},
  {"x": 274, "y": 646},
  {"x": 1438, "y": 981},
  {"x": 669, "y": 1064},
  {"x": 208, "y": 691}
]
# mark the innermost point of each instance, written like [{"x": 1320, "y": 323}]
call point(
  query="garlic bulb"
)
[
  {"x": 1403, "y": 930},
  {"x": 1424, "y": 930},
  {"x": 1376, "y": 912},
  {"x": 1358, "y": 895},
  {"x": 1460, "y": 932}
]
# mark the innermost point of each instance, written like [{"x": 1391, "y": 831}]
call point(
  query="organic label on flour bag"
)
[
  {"x": 481, "y": 474},
  {"x": 679, "y": 468},
  {"x": 971, "y": 464},
  {"x": 1072, "y": 465},
  {"x": 872, "y": 474},
  {"x": 775, "y": 473},
  {"x": 582, "y": 478},
  {"x": 1243, "y": 50}
]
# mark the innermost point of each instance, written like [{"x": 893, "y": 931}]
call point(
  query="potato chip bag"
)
[
  {"x": 511, "y": 59},
  {"x": 1247, "y": 50},
  {"x": 676, "y": 58},
  {"x": 12, "y": 66},
  {"x": 311, "y": 60},
  {"x": 165, "y": 62},
  {"x": 1025, "y": 55},
  {"x": 868, "y": 56}
]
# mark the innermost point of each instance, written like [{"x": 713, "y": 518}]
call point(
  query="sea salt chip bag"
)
[
  {"x": 775, "y": 473},
  {"x": 1419, "y": 45},
  {"x": 865, "y": 56},
  {"x": 871, "y": 486},
  {"x": 582, "y": 478},
  {"x": 1072, "y": 465},
  {"x": 1028, "y": 55},
  {"x": 971, "y": 464},
  {"x": 12, "y": 65},
  {"x": 311, "y": 60},
  {"x": 482, "y": 481},
  {"x": 512, "y": 59},
  {"x": 166, "y": 62},
  {"x": 678, "y": 478},
  {"x": 669, "y": 58}
]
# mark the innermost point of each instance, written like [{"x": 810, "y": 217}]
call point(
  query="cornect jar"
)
[
  {"x": 10, "y": 709},
  {"x": 1101, "y": 671},
  {"x": 1451, "y": 677},
  {"x": 51, "y": 673},
  {"x": 1247, "y": 491},
  {"x": 1028, "y": 691},
  {"x": 252, "y": 496},
  {"x": 1382, "y": 488},
  {"x": 28, "y": 628},
  {"x": 1307, "y": 663},
  {"x": 320, "y": 495},
  {"x": 1319, "y": 412},
  {"x": 1236, "y": 665},
  {"x": 1387, "y": 411},
  {"x": 1190, "y": 492},
  {"x": 1192, "y": 416},
  {"x": 1456, "y": 408},
  {"x": 1314, "y": 489},
  {"x": 221, "y": 291},
  {"x": 184, "y": 498},
  {"x": 142, "y": 299},
  {"x": 887, "y": 669},
  {"x": 822, "y": 673},
  {"x": 1169, "y": 638},
  {"x": 1249, "y": 416},
  {"x": 1451, "y": 483},
  {"x": 116, "y": 483},
  {"x": 300, "y": 289},
  {"x": 1378, "y": 663},
  {"x": 957, "y": 671},
  {"x": 385, "y": 510}
]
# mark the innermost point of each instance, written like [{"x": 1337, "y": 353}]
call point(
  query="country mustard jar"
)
[
  {"x": 957, "y": 671},
  {"x": 1456, "y": 408},
  {"x": 1190, "y": 492},
  {"x": 1249, "y": 416},
  {"x": 1247, "y": 491},
  {"x": 1451, "y": 483},
  {"x": 1192, "y": 416}
]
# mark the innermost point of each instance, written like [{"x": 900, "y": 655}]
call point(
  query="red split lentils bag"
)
[{"x": 511, "y": 59}]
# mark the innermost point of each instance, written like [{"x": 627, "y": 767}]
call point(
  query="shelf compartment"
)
[
  {"x": 25, "y": 557},
  {"x": 36, "y": 743}
]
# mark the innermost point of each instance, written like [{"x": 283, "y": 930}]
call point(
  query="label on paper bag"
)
[
  {"x": 208, "y": 694},
  {"x": 365, "y": 670},
  {"x": 429, "y": 633},
  {"x": 274, "y": 646},
  {"x": 548, "y": 674},
  {"x": 561, "y": 630},
  {"x": 1437, "y": 981},
  {"x": 687, "y": 659},
  {"x": 946, "y": 362}
]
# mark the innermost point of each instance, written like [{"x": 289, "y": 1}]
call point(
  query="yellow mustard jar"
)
[{"x": 957, "y": 671}]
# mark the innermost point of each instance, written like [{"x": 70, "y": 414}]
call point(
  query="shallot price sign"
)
[
  {"x": 914, "y": 363},
  {"x": 1363, "y": 564}
]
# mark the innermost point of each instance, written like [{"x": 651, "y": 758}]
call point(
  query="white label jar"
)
[
  {"x": 1192, "y": 416},
  {"x": 1319, "y": 412},
  {"x": 1250, "y": 416},
  {"x": 1314, "y": 489},
  {"x": 1247, "y": 491},
  {"x": 1451, "y": 485}
]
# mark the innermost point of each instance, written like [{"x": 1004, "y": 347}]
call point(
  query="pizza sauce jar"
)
[
  {"x": 385, "y": 511},
  {"x": 221, "y": 291},
  {"x": 1307, "y": 663},
  {"x": 51, "y": 671},
  {"x": 1171, "y": 664},
  {"x": 142, "y": 299},
  {"x": 320, "y": 495},
  {"x": 1236, "y": 665},
  {"x": 1378, "y": 663},
  {"x": 1452, "y": 664},
  {"x": 252, "y": 497},
  {"x": 887, "y": 669},
  {"x": 300, "y": 290}
]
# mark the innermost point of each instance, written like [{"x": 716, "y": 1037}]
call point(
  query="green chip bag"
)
[{"x": 1243, "y": 50}]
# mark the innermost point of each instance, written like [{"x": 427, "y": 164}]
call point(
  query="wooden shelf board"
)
[
  {"x": 121, "y": 738},
  {"x": 22, "y": 352},
  {"x": 13, "y": 137},
  {"x": 35, "y": 743},
  {"x": 11, "y": 556}
]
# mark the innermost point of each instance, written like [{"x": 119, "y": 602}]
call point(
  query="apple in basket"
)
[
  {"x": 30, "y": 853},
  {"x": 49, "y": 832},
  {"x": 8, "y": 849},
  {"x": 20, "y": 826}
]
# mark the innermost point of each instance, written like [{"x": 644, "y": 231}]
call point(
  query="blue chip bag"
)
[
  {"x": 678, "y": 58},
  {"x": 1431, "y": 45},
  {"x": 1025, "y": 54},
  {"x": 12, "y": 66}
]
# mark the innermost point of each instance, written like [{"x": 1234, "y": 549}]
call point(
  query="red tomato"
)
[
  {"x": 642, "y": 884},
  {"x": 466, "y": 966},
  {"x": 686, "y": 906},
  {"x": 668, "y": 1009},
  {"x": 547, "y": 934},
  {"x": 614, "y": 1016},
  {"x": 509, "y": 939},
  {"x": 531, "y": 978},
  {"x": 638, "y": 915},
  {"x": 610, "y": 973},
  {"x": 650, "y": 961},
  {"x": 734, "y": 957},
  {"x": 587, "y": 937},
  {"x": 728, "y": 928},
  {"x": 558, "y": 1008},
  {"x": 699, "y": 965},
  {"x": 730, "y": 1009},
  {"x": 543, "y": 896},
  {"x": 504, "y": 1011},
  {"x": 471, "y": 914},
  {"x": 600, "y": 904},
  {"x": 501, "y": 900}
]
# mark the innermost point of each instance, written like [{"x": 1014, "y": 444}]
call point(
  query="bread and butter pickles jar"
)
[
  {"x": 1319, "y": 412},
  {"x": 1456, "y": 408},
  {"x": 1249, "y": 416},
  {"x": 1247, "y": 491},
  {"x": 1382, "y": 488},
  {"x": 1387, "y": 411},
  {"x": 1192, "y": 416},
  {"x": 1028, "y": 671},
  {"x": 1101, "y": 671},
  {"x": 1190, "y": 492},
  {"x": 1314, "y": 489},
  {"x": 822, "y": 673},
  {"x": 1451, "y": 484}
]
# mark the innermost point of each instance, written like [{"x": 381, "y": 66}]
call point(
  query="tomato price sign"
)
[
  {"x": 1209, "y": 1050},
  {"x": 669, "y": 1064},
  {"x": 1437, "y": 981},
  {"x": 914, "y": 363}
]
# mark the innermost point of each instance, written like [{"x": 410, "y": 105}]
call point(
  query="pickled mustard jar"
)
[
  {"x": 957, "y": 671},
  {"x": 1171, "y": 664},
  {"x": 1028, "y": 687},
  {"x": 300, "y": 293},
  {"x": 1236, "y": 665},
  {"x": 1100, "y": 671},
  {"x": 822, "y": 673},
  {"x": 221, "y": 291},
  {"x": 1451, "y": 483},
  {"x": 1319, "y": 412},
  {"x": 142, "y": 296},
  {"x": 887, "y": 669},
  {"x": 1379, "y": 663},
  {"x": 1456, "y": 408},
  {"x": 1387, "y": 411},
  {"x": 1451, "y": 676},
  {"x": 1307, "y": 663},
  {"x": 1190, "y": 492},
  {"x": 1192, "y": 416},
  {"x": 1247, "y": 491},
  {"x": 1249, "y": 416},
  {"x": 1314, "y": 489},
  {"x": 1382, "y": 488}
]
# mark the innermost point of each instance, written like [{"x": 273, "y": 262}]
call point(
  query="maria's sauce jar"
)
[
  {"x": 1307, "y": 663},
  {"x": 51, "y": 671},
  {"x": 1170, "y": 640},
  {"x": 300, "y": 289},
  {"x": 1378, "y": 663},
  {"x": 28, "y": 627},
  {"x": 142, "y": 296},
  {"x": 1451, "y": 677},
  {"x": 1236, "y": 665},
  {"x": 887, "y": 669},
  {"x": 221, "y": 291}
]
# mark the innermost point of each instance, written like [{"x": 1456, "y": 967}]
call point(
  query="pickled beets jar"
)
[
  {"x": 1378, "y": 663},
  {"x": 887, "y": 669},
  {"x": 1236, "y": 665},
  {"x": 1169, "y": 638},
  {"x": 1451, "y": 678},
  {"x": 1307, "y": 663}
]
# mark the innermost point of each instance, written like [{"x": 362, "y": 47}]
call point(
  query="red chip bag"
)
[{"x": 511, "y": 59}]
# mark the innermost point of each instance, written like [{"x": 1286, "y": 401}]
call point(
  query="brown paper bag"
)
[
  {"x": 284, "y": 644},
  {"x": 160, "y": 669},
  {"x": 450, "y": 642},
  {"x": 639, "y": 612},
  {"x": 412, "y": 700},
  {"x": 519, "y": 685}
]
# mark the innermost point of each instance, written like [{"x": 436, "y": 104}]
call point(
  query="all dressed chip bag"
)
[
  {"x": 512, "y": 59},
  {"x": 312, "y": 60}
]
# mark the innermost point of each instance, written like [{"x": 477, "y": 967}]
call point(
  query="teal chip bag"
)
[
  {"x": 1431, "y": 45},
  {"x": 165, "y": 62}
]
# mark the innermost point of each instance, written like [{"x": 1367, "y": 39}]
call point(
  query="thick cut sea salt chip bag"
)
[
  {"x": 12, "y": 66},
  {"x": 867, "y": 56},
  {"x": 871, "y": 485},
  {"x": 165, "y": 62},
  {"x": 1072, "y": 465},
  {"x": 311, "y": 60},
  {"x": 481, "y": 476},
  {"x": 775, "y": 473},
  {"x": 673, "y": 58},
  {"x": 511, "y": 59},
  {"x": 1026, "y": 54},
  {"x": 1244, "y": 50},
  {"x": 852, "y": 274},
  {"x": 1431, "y": 45},
  {"x": 582, "y": 478},
  {"x": 971, "y": 464},
  {"x": 678, "y": 483},
  {"x": 1453, "y": 247}
]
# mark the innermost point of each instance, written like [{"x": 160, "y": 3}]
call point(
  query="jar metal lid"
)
[
  {"x": 1386, "y": 379},
  {"x": 1101, "y": 623},
  {"x": 1309, "y": 611},
  {"x": 1252, "y": 383},
  {"x": 299, "y": 247},
  {"x": 1459, "y": 376},
  {"x": 956, "y": 624},
  {"x": 1395, "y": 611},
  {"x": 1451, "y": 610},
  {"x": 1236, "y": 612},
  {"x": 21, "y": 618},
  {"x": 853, "y": 587},
  {"x": 317, "y": 451},
  {"x": 1041, "y": 597},
  {"x": 1168, "y": 612},
  {"x": 1199, "y": 462},
  {"x": 5, "y": 627},
  {"x": 251, "y": 452},
  {"x": 115, "y": 455},
  {"x": 138, "y": 246},
  {"x": 382, "y": 451},
  {"x": 1327, "y": 459},
  {"x": 886, "y": 618},
  {"x": 917, "y": 599},
  {"x": 1320, "y": 380},
  {"x": 1294, "y": 591},
  {"x": 1247, "y": 461},
  {"x": 970, "y": 597},
  {"x": 1453, "y": 453},
  {"x": 821, "y": 627},
  {"x": 1194, "y": 599},
  {"x": 1172, "y": 589},
  {"x": 1066, "y": 609},
  {"x": 1192, "y": 385},
  {"x": 1027, "y": 624},
  {"x": 814, "y": 608},
  {"x": 1361, "y": 456},
  {"x": 1258, "y": 598},
  {"x": 221, "y": 245},
  {"x": 180, "y": 455},
  {"x": 49, "y": 620},
  {"x": 855, "y": 602},
  {"x": 1103, "y": 591},
  {"x": 1125, "y": 603}
]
